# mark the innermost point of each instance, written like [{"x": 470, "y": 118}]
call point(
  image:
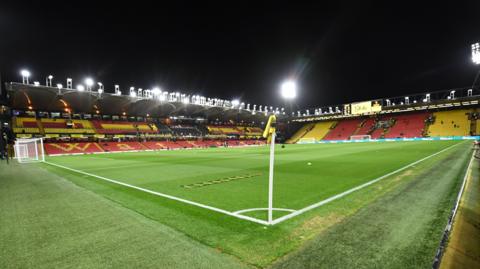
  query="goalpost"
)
[
  {"x": 360, "y": 137},
  {"x": 29, "y": 150}
]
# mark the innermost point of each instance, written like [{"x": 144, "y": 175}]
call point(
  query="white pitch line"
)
[
  {"x": 262, "y": 208},
  {"x": 335, "y": 197},
  {"x": 164, "y": 195}
]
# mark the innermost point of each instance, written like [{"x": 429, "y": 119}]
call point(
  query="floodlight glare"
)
[
  {"x": 288, "y": 89},
  {"x": 50, "y": 77},
  {"x": 89, "y": 82},
  {"x": 476, "y": 53},
  {"x": 25, "y": 73},
  {"x": 133, "y": 94},
  {"x": 59, "y": 86},
  {"x": 80, "y": 87},
  {"x": 235, "y": 102},
  {"x": 156, "y": 90}
]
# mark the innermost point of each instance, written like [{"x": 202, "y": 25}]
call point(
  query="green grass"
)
[
  {"x": 335, "y": 168},
  {"x": 48, "y": 222}
]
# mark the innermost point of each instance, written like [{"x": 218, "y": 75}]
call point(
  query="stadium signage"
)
[{"x": 365, "y": 107}]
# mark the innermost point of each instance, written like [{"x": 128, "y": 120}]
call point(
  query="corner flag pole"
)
[{"x": 269, "y": 133}]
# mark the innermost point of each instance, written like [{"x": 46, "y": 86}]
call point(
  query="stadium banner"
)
[
  {"x": 437, "y": 138},
  {"x": 366, "y": 107}
]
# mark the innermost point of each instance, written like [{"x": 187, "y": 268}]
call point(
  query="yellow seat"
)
[{"x": 450, "y": 123}]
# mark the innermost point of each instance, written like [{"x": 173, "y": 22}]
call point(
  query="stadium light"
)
[
  {"x": 288, "y": 90},
  {"x": 25, "y": 75},
  {"x": 476, "y": 53},
  {"x": 80, "y": 88},
  {"x": 235, "y": 102},
  {"x": 59, "y": 86},
  {"x": 117, "y": 90},
  {"x": 36, "y": 83},
  {"x": 100, "y": 87},
  {"x": 49, "y": 81},
  {"x": 69, "y": 83},
  {"x": 132, "y": 92},
  {"x": 89, "y": 82},
  {"x": 156, "y": 90}
]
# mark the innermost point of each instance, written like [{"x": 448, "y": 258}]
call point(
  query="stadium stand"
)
[
  {"x": 123, "y": 127},
  {"x": 185, "y": 130},
  {"x": 408, "y": 125},
  {"x": 450, "y": 123},
  {"x": 25, "y": 125},
  {"x": 72, "y": 148},
  {"x": 121, "y": 146},
  {"x": 300, "y": 133},
  {"x": 343, "y": 129},
  {"x": 227, "y": 130},
  {"x": 64, "y": 126},
  {"x": 366, "y": 127},
  {"x": 319, "y": 130}
]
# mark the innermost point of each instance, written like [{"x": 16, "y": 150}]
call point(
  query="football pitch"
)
[
  {"x": 234, "y": 181},
  {"x": 218, "y": 196}
]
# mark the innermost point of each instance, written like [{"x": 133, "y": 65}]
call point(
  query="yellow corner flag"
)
[{"x": 270, "y": 128}]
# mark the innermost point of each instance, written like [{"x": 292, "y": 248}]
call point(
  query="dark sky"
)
[{"x": 339, "y": 53}]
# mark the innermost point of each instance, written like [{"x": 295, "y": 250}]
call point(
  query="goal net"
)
[
  {"x": 360, "y": 137},
  {"x": 29, "y": 150}
]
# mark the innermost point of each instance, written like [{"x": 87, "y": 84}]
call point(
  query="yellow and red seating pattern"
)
[
  {"x": 220, "y": 129},
  {"x": 122, "y": 146},
  {"x": 25, "y": 125},
  {"x": 72, "y": 148},
  {"x": 59, "y": 126},
  {"x": 94, "y": 147},
  {"x": 115, "y": 127}
]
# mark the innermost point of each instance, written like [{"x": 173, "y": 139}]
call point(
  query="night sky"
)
[{"x": 338, "y": 53}]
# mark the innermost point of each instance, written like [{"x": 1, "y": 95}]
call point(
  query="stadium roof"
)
[{"x": 50, "y": 99}]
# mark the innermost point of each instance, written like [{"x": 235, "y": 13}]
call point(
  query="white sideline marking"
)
[
  {"x": 335, "y": 197},
  {"x": 262, "y": 208},
  {"x": 164, "y": 195}
]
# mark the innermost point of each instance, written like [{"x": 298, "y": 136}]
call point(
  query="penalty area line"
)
[
  {"x": 340, "y": 195},
  {"x": 163, "y": 195}
]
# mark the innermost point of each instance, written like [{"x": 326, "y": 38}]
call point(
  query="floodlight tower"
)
[
  {"x": 25, "y": 75},
  {"x": 69, "y": 83},
  {"x": 89, "y": 82},
  {"x": 476, "y": 60},
  {"x": 49, "y": 81}
]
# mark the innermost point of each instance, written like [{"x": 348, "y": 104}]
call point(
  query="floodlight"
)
[
  {"x": 89, "y": 82},
  {"x": 133, "y": 94},
  {"x": 100, "y": 90},
  {"x": 235, "y": 102},
  {"x": 99, "y": 84},
  {"x": 288, "y": 89},
  {"x": 59, "y": 86},
  {"x": 50, "y": 77},
  {"x": 25, "y": 73},
  {"x": 476, "y": 53},
  {"x": 36, "y": 83},
  {"x": 80, "y": 87},
  {"x": 186, "y": 101},
  {"x": 156, "y": 91}
]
